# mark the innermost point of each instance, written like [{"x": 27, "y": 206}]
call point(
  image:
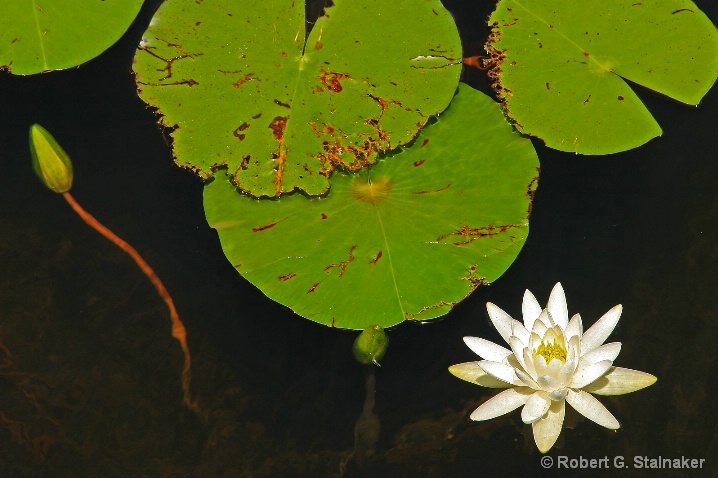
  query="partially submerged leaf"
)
[
  {"x": 370, "y": 346},
  {"x": 247, "y": 93},
  {"x": 562, "y": 66},
  {"x": 43, "y": 35},
  {"x": 406, "y": 239}
]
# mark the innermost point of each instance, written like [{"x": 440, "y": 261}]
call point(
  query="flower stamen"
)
[{"x": 551, "y": 350}]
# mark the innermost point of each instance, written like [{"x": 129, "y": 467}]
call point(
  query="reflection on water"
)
[{"x": 89, "y": 373}]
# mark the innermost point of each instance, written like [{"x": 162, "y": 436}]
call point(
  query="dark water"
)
[{"x": 89, "y": 374}]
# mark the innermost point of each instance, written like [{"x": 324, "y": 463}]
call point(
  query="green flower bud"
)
[
  {"x": 371, "y": 344},
  {"x": 50, "y": 162}
]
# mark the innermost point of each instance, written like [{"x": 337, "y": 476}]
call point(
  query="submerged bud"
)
[
  {"x": 50, "y": 162},
  {"x": 371, "y": 345}
]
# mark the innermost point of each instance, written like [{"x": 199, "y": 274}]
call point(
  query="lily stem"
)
[{"x": 178, "y": 329}]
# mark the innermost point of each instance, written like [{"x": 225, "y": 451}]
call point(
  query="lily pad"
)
[
  {"x": 43, "y": 35},
  {"x": 246, "y": 92},
  {"x": 405, "y": 239},
  {"x": 562, "y": 67}
]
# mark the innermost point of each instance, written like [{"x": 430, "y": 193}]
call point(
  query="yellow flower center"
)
[{"x": 550, "y": 351}]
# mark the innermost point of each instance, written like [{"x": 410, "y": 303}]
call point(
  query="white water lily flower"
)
[{"x": 551, "y": 361}]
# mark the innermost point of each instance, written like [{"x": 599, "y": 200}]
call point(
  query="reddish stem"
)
[{"x": 178, "y": 330}]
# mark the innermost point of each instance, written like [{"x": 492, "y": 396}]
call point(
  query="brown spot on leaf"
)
[
  {"x": 620, "y": 98},
  {"x": 243, "y": 80},
  {"x": 313, "y": 287},
  {"x": 419, "y": 163},
  {"x": 324, "y": 216},
  {"x": 283, "y": 105},
  {"x": 424, "y": 143},
  {"x": 343, "y": 265},
  {"x": 286, "y": 277},
  {"x": 682, "y": 10},
  {"x": 548, "y": 85},
  {"x": 245, "y": 162},
  {"x": 432, "y": 191},
  {"x": 465, "y": 234},
  {"x": 331, "y": 81},
  {"x": 585, "y": 53},
  {"x": 531, "y": 191},
  {"x": 265, "y": 227},
  {"x": 378, "y": 256},
  {"x": 170, "y": 61},
  {"x": 242, "y": 127},
  {"x": 277, "y": 126},
  {"x": 587, "y": 99}
]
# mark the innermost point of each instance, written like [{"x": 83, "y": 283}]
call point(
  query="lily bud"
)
[
  {"x": 371, "y": 344},
  {"x": 50, "y": 162}
]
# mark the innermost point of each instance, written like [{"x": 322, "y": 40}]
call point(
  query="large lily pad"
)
[
  {"x": 43, "y": 35},
  {"x": 405, "y": 239},
  {"x": 562, "y": 66},
  {"x": 248, "y": 93}
]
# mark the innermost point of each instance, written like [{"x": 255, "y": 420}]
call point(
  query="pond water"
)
[{"x": 89, "y": 374}]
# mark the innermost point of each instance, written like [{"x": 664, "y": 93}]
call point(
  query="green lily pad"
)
[
  {"x": 562, "y": 66},
  {"x": 405, "y": 239},
  {"x": 248, "y": 93},
  {"x": 43, "y": 35}
]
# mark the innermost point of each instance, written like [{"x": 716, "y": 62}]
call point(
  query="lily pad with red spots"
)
[
  {"x": 405, "y": 239},
  {"x": 245, "y": 90},
  {"x": 562, "y": 67}
]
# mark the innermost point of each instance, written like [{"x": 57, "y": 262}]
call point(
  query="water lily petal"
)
[
  {"x": 500, "y": 371},
  {"x": 587, "y": 373},
  {"x": 566, "y": 374},
  {"x": 543, "y": 321},
  {"x": 573, "y": 349},
  {"x": 558, "y": 394},
  {"x": 547, "y": 430},
  {"x": 554, "y": 367},
  {"x": 528, "y": 380},
  {"x": 588, "y": 406},
  {"x": 530, "y": 309},
  {"x": 486, "y": 349},
  {"x": 599, "y": 332},
  {"x": 557, "y": 307},
  {"x": 604, "y": 352},
  {"x": 471, "y": 372},
  {"x": 501, "y": 320},
  {"x": 620, "y": 380},
  {"x": 536, "y": 339},
  {"x": 540, "y": 365},
  {"x": 520, "y": 332},
  {"x": 529, "y": 368},
  {"x": 574, "y": 328},
  {"x": 536, "y": 407},
  {"x": 518, "y": 348},
  {"x": 503, "y": 403},
  {"x": 547, "y": 383}
]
